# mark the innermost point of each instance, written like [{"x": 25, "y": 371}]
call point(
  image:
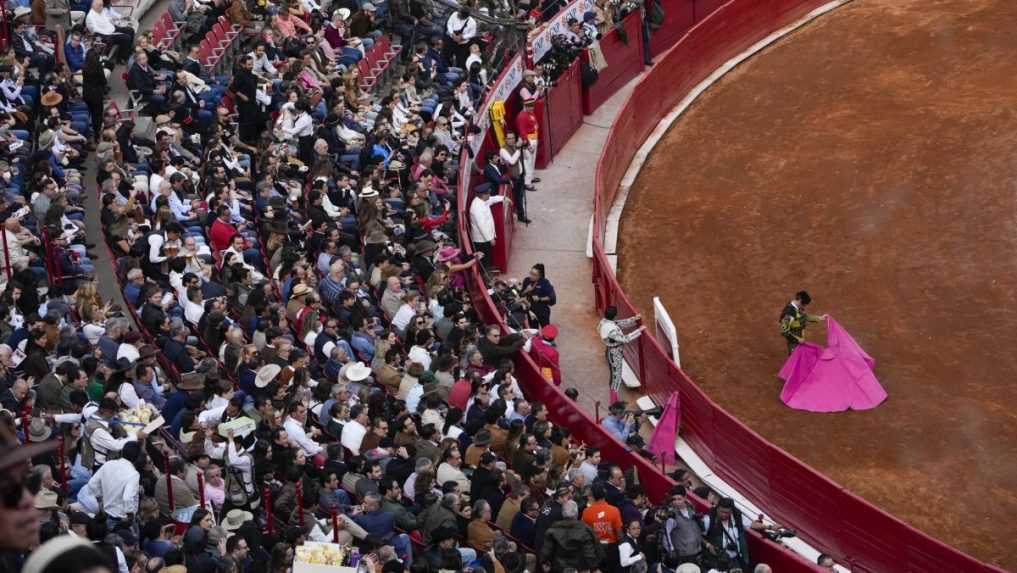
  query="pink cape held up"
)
[{"x": 833, "y": 378}]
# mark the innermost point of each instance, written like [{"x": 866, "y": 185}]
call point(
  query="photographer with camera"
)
[
  {"x": 682, "y": 541},
  {"x": 724, "y": 536},
  {"x": 621, "y": 423}
]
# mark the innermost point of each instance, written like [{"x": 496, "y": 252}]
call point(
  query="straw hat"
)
[
  {"x": 93, "y": 332},
  {"x": 47, "y": 499},
  {"x": 266, "y": 374},
  {"x": 38, "y": 431},
  {"x": 368, "y": 192},
  {"x": 235, "y": 518},
  {"x": 51, "y": 98},
  {"x": 302, "y": 290},
  {"x": 357, "y": 371},
  {"x": 344, "y": 13}
]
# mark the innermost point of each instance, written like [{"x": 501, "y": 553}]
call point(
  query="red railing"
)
[{"x": 827, "y": 515}]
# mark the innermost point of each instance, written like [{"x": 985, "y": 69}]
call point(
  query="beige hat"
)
[
  {"x": 162, "y": 119},
  {"x": 38, "y": 431},
  {"x": 344, "y": 13},
  {"x": 368, "y": 192},
  {"x": 266, "y": 374},
  {"x": 47, "y": 499},
  {"x": 236, "y": 518},
  {"x": 301, "y": 290}
]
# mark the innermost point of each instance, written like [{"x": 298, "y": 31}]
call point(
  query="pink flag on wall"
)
[
  {"x": 833, "y": 378},
  {"x": 666, "y": 433}
]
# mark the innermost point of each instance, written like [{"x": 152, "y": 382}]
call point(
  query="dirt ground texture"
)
[{"x": 871, "y": 158}]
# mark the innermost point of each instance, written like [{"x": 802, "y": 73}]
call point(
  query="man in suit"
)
[
  {"x": 143, "y": 78},
  {"x": 25, "y": 46}
]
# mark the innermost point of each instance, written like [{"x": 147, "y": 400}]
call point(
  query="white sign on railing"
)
[
  {"x": 510, "y": 78},
  {"x": 540, "y": 43}
]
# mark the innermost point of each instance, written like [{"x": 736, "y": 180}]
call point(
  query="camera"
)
[{"x": 779, "y": 533}]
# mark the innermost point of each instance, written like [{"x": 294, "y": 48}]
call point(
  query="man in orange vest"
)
[
  {"x": 526, "y": 127},
  {"x": 606, "y": 522}
]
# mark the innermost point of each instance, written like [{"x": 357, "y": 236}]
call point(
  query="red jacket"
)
[
  {"x": 526, "y": 125},
  {"x": 220, "y": 235},
  {"x": 545, "y": 354}
]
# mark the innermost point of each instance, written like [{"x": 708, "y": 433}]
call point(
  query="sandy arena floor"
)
[{"x": 872, "y": 160}]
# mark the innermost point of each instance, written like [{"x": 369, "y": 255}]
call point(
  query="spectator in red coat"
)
[
  {"x": 222, "y": 230},
  {"x": 545, "y": 353}
]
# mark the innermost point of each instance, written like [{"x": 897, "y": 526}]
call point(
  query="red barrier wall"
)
[
  {"x": 679, "y": 16},
  {"x": 825, "y": 514},
  {"x": 624, "y": 62},
  {"x": 564, "y": 109}
]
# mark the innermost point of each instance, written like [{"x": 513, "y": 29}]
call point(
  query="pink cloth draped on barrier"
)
[
  {"x": 833, "y": 378},
  {"x": 666, "y": 433}
]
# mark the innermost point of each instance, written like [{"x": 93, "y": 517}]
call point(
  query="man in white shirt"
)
[
  {"x": 460, "y": 30},
  {"x": 419, "y": 352},
  {"x": 512, "y": 159},
  {"x": 449, "y": 470},
  {"x": 262, "y": 65},
  {"x": 117, "y": 484},
  {"x": 294, "y": 426},
  {"x": 482, "y": 231},
  {"x": 355, "y": 430}
]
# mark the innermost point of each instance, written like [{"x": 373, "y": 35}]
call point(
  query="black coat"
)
[{"x": 141, "y": 79}]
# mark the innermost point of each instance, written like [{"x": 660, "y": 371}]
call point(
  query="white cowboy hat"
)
[
  {"x": 236, "y": 518},
  {"x": 357, "y": 372},
  {"x": 266, "y": 374}
]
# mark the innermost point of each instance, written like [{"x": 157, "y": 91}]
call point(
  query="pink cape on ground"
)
[{"x": 834, "y": 378}]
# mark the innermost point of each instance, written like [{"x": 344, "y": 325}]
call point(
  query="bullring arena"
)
[{"x": 869, "y": 158}]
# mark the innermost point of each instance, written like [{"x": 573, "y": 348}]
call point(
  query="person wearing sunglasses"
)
[{"x": 19, "y": 520}]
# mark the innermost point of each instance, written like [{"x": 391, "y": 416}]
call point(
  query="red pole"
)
[
  {"x": 266, "y": 494},
  {"x": 300, "y": 502},
  {"x": 201, "y": 489},
  {"x": 169, "y": 486},
  {"x": 63, "y": 466},
  {"x": 7, "y": 252},
  {"x": 335, "y": 525}
]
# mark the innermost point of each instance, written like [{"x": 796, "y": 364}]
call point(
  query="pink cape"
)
[
  {"x": 666, "y": 433},
  {"x": 832, "y": 379}
]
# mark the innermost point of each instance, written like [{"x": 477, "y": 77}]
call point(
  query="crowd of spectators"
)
[{"x": 296, "y": 308}]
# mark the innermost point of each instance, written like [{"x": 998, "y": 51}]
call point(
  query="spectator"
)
[
  {"x": 571, "y": 544},
  {"x": 482, "y": 229}
]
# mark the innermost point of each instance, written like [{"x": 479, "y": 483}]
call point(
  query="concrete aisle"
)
[
  {"x": 561, "y": 210},
  {"x": 104, "y": 265}
]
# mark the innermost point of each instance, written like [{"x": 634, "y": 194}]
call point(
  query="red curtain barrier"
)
[
  {"x": 564, "y": 110},
  {"x": 624, "y": 62},
  {"x": 825, "y": 514}
]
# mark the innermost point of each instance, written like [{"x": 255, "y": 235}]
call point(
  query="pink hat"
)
[
  {"x": 447, "y": 253},
  {"x": 549, "y": 332}
]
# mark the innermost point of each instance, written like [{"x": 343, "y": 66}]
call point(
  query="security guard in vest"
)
[{"x": 105, "y": 437}]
